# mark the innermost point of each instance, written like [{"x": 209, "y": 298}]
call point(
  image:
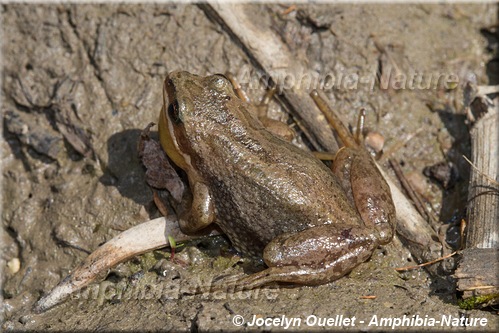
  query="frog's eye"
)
[
  {"x": 221, "y": 82},
  {"x": 174, "y": 112}
]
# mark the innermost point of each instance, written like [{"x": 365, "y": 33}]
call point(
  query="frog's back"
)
[{"x": 263, "y": 186}]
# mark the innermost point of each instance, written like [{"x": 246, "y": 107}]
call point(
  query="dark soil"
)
[{"x": 81, "y": 81}]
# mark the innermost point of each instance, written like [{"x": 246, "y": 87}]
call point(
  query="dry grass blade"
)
[{"x": 406, "y": 268}]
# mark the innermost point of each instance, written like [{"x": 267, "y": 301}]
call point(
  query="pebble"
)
[{"x": 14, "y": 265}]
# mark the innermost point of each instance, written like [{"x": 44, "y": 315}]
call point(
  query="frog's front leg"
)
[
  {"x": 313, "y": 256},
  {"x": 199, "y": 212}
]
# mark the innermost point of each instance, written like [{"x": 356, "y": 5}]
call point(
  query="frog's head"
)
[{"x": 191, "y": 105}]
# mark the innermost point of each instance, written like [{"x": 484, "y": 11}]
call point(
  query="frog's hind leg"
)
[
  {"x": 237, "y": 87},
  {"x": 276, "y": 127},
  {"x": 359, "y": 176},
  {"x": 360, "y": 126},
  {"x": 341, "y": 158},
  {"x": 313, "y": 256},
  {"x": 342, "y": 131},
  {"x": 264, "y": 102}
]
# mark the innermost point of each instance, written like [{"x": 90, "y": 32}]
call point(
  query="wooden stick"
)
[
  {"x": 418, "y": 202},
  {"x": 271, "y": 56},
  {"x": 413, "y": 229},
  {"x": 145, "y": 237},
  {"x": 477, "y": 272},
  {"x": 483, "y": 195}
]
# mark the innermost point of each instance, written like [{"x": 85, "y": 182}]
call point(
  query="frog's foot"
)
[
  {"x": 142, "y": 238},
  {"x": 333, "y": 119},
  {"x": 286, "y": 274},
  {"x": 313, "y": 256},
  {"x": 276, "y": 127}
]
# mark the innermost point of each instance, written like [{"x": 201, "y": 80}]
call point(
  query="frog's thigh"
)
[
  {"x": 372, "y": 196},
  {"x": 365, "y": 186},
  {"x": 341, "y": 167},
  {"x": 202, "y": 212},
  {"x": 316, "y": 255}
]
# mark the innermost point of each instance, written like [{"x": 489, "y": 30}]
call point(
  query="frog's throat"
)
[{"x": 169, "y": 142}]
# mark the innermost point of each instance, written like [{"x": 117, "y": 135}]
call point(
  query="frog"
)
[{"x": 310, "y": 224}]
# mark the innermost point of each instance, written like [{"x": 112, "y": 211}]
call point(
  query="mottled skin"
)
[{"x": 271, "y": 198}]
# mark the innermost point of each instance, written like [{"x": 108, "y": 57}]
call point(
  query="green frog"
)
[{"x": 311, "y": 224}]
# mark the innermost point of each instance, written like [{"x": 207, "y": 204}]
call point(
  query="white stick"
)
[{"x": 142, "y": 238}]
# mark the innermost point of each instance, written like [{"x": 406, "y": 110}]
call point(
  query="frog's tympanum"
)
[{"x": 311, "y": 224}]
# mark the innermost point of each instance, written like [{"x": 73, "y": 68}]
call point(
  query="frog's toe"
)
[{"x": 287, "y": 274}]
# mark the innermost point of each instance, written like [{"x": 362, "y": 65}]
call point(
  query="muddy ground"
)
[{"x": 98, "y": 70}]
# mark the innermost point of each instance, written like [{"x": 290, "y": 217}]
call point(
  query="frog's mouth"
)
[{"x": 166, "y": 129}]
